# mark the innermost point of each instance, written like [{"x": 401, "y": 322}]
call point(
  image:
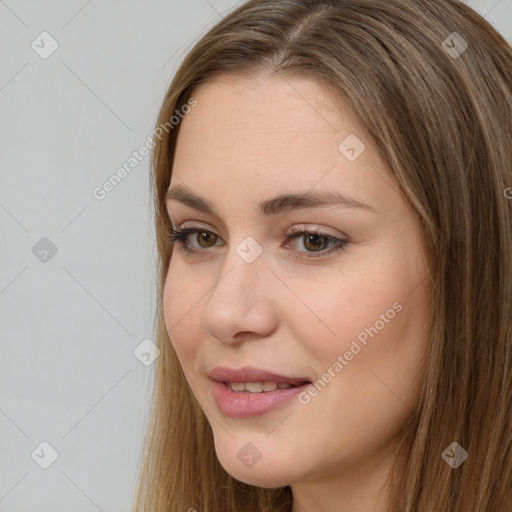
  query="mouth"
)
[
  {"x": 254, "y": 380},
  {"x": 261, "y": 387},
  {"x": 250, "y": 392}
]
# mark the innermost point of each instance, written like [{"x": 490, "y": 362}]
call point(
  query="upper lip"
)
[{"x": 252, "y": 374}]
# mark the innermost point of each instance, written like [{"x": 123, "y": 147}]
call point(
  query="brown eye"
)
[
  {"x": 314, "y": 242},
  {"x": 206, "y": 237},
  {"x": 184, "y": 236}
]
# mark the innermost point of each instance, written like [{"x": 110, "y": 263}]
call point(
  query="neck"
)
[{"x": 358, "y": 488}]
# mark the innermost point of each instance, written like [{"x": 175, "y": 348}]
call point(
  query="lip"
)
[
  {"x": 252, "y": 374},
  {"x": 239, "y": 404}
]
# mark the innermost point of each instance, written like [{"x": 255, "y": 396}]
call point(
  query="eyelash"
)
[{"x": 180, "y": 235}]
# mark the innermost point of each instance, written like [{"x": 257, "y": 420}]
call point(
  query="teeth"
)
[
  {"x": 237, "y": 386},
  {"x": 254, "y": 387},
  {"x": 269, "y": 386},
  {"x": 258, "y": 387}
]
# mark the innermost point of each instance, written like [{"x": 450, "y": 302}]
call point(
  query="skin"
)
[{"x": 247, "y": 140}]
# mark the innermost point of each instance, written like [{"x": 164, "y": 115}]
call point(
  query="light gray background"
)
[{"x": 69, "y": 326}]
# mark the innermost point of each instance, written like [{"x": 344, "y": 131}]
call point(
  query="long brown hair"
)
[{"x": 440, "y": 116}]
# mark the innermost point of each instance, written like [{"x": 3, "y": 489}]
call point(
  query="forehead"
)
[
  {"x": 265, "y": 105},
  {"x": 237, "y": 114},
  {"x": 263, "y": 135}
]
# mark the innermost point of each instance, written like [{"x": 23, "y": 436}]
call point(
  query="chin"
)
[
  {"x": 250, "y": 466},
  {"x": 258, "y": 477}
]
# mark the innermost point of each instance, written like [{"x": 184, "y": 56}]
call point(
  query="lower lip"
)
[{"x": 240, "y": 404}]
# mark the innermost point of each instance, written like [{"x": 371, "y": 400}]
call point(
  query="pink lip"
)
[
  {"x": 251, "y": 374},
  {"x": 240, "y": 404}
]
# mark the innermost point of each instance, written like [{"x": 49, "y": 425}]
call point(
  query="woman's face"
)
[{"x": 350, "y": 318}]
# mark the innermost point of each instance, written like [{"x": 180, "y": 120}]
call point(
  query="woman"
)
[{"x": 334, "y": 241}]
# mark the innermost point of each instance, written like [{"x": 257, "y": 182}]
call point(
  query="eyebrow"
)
[{"x": 279, "y": 204}]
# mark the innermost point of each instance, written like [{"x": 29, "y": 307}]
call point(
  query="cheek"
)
[
  {"x": 367, "y": 396},
  {"x": 181, "y": 303},
  {"x": 372, "y": 328},
  {"x": 333, "y": 314}
]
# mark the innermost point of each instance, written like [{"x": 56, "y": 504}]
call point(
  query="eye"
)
[
  {"x": 181, "y": 235},
  {"x": 313, "y": 240},
  {"x": 317, "y": 241}
]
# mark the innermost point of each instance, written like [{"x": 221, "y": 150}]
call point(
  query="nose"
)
[{"x": 243, "y": 302}]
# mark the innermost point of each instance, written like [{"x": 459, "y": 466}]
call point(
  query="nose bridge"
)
[
  {"x": 240, "y": 300},
  {"x": 242, "y": 271}
]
